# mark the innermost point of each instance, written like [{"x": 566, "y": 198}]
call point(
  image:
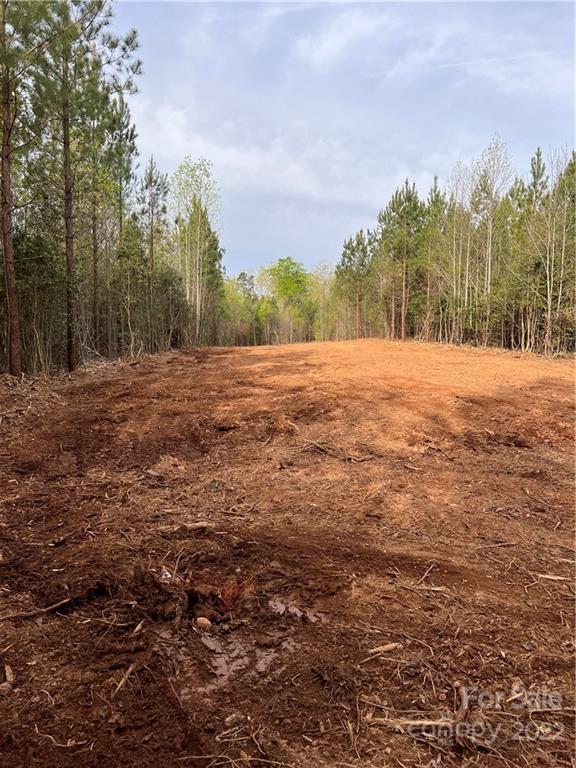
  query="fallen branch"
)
[
  {"x": 553, "y": 577},
  {"x": 496, "y": 546},
  {"x": 403, "y": 725},
  {"x": 70, "y": 743},
  {"x": 125, "y": 677},
  {"x": 422, "y": 578},
  {"x": 200, "y": 527},
  {"x": 375, "y": 653},
  {"x": 414, "y": 727},
  {"x": 416, "y": 588},
  {"x": 337, "y": 453},
  {"x": 543, "y": 502},
  {"x": 37, "y": 612}
]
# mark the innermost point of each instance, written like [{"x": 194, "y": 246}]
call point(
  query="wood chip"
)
[
  {"x": 552, "y": 577},
  {"x": 385, "y": 648}
]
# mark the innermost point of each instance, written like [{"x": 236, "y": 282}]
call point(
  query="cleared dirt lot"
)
[{"x": 314, "y": 503}]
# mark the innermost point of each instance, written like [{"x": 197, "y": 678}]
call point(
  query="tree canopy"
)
[{"x": 105, "y": 254}]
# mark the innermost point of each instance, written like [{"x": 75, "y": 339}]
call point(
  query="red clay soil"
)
[{"x": 376, "y": 536}]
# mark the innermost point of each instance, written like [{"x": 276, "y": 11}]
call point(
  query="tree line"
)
[
  {"x": 488, "y": 261},
  {"x": 103, "y": 257}
]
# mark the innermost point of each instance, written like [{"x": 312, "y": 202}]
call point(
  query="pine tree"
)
[
  {"x": 400, "y": 226},
  {"x": 83, "y": 63},
  {"x": 153, "y": 195},
  {"x": 23, "y": 36},
  {"x": 352, "y": 272}
]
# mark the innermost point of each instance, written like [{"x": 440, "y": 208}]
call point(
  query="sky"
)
[{"x": 313, "y": 113}]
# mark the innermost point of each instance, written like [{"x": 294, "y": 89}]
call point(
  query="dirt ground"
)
[{"x": 344, "y": 554}]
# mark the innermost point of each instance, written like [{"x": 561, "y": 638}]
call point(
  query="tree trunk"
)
[
  {"x": 199, "y": 279},
  {"x": 428, "y": 308},
  {"x": 71, "y": 340},
  {"x": 357, "y": 312},
  {"x": 392, "y": 314},
  {"x": 404, "y": 310},
  {"x": 95, "y": 276},
  {"x": 151, "y": 280},
  {"x": 13, "y": 312},
  {"x": 120, "y": 212}
]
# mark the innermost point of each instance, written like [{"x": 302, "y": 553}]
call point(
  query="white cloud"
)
[
  {"x": 422, "y": 49},
  {"x": 319, "y": 170},
  {"x": 341, "y": 33},
  {"x": 549, "y": 74},
  {"x": 474, "y": 53},
  {"x": 302, "y": 160},
  {"x": 258, "y": 29}
]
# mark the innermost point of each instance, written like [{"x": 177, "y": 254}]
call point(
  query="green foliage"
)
[
  {"x": 289, "y": 281},
  {"x": 490, "y": 261},
  {"x": 128, "y": 264},
  {"x": 194, "y": 202},
  {"x": 352, "y": 269}
]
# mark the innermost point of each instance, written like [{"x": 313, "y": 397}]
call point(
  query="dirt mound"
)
[{"x": 354, "y": 554}]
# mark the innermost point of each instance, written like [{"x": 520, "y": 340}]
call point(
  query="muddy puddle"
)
[
  {"x": 242, "y": 653},
  {"x": 234, "y": 657},
  {"x": 289, "y": 609}
]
